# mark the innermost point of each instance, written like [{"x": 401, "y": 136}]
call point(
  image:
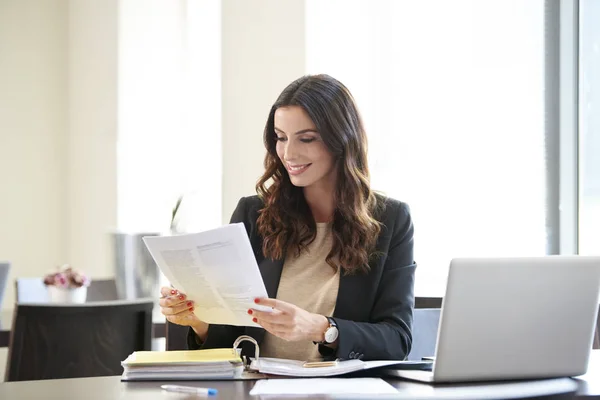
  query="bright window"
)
[
  {"x": 451, "y": 93},
  {"x": 589, "y": 127},
  {"x": 169, "y": 141}
]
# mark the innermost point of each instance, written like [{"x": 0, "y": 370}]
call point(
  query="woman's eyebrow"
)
[{"x": 299, "y": 132}]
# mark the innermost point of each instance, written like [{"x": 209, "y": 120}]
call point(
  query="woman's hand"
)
[
  {"x": 178, "y": 310},
  {"x": 288, "y": 321}
]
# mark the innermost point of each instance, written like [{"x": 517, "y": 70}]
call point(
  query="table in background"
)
[{"x": 111, "y": 387}]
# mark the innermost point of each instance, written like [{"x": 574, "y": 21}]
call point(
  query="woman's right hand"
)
[{"x": 179, "y": 310}]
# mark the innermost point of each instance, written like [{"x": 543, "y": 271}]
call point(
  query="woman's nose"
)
[{"x": 290, "y": 152}]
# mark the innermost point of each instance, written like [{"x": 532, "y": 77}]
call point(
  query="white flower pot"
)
[{"x": 62, "y": 295}]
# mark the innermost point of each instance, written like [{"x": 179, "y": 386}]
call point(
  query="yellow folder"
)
[{"x": 182, "y": 357}]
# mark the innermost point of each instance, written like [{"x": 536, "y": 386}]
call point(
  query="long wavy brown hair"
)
[{"x": 286, "y": 221}]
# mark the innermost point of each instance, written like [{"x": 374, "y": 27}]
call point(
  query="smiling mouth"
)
[{"x": 297, "y": 169}]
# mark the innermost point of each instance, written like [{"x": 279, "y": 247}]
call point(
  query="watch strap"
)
[{"x": 331, "y": 324}]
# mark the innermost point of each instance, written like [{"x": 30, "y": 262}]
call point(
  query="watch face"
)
[{"x": 331, "y": 334}]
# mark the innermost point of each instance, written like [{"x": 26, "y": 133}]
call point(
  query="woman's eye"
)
[
  {"x": 307, "y": 140},
  {"x": 280, "y": 139}
]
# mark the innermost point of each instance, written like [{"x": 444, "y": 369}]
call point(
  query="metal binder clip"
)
[{"x": 247, "y": 362}]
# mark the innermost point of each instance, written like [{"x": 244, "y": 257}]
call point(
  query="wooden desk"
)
[
  {"x": 158, "y": 326},
  {"x": 109, "y": 388}
]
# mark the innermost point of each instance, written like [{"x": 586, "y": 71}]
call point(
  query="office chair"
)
[
  {"x": 31, "y": 290},
  {"x": 54, "y": 341},
  {"x": 596, "y": 343},
  {"x": 426, "y": 321},
  {"x": 4, "y": 270},
  {"x": 102, "y": 290}
]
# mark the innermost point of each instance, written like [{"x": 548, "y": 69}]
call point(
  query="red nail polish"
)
[
  {"x": 191, "y": 308},
  {"x": 173, "y": 291},
  {"x": 250, "y": 312},
  {"x": 256, "y": 301},
  {"x": 189, "y": 304},
  {"x": 181, "y": 297},
  {"x": 254, "y": 320}
]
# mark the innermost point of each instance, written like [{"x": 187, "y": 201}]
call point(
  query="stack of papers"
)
[{"x": 182, "y": 365}]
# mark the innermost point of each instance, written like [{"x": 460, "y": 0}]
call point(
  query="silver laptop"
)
[{"x": 515, "y": 318}]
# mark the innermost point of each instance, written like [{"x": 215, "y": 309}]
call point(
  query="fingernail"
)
[
  {"x": 189, "y": 304},
  {"x": 250, "y": 312},
  {"x": 173, "y": 291},
  {"x": 254, "y": 320},
  {"x": 191, "y": 308},
  {"x": 181, "y": 297},
  {"x": 257, "y": 301}
]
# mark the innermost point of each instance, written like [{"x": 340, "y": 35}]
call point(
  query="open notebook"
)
[{"x": 227, "y": 364}]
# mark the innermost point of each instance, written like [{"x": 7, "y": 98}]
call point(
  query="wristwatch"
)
[{"x": 331, "y": 333}]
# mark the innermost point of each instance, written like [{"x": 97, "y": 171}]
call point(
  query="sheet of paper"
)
[
  {"x": 322, "y": 386},
  {"x": 216, "y": 269}
]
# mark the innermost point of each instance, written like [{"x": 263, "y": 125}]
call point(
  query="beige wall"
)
[
  {"x": 57, "y": 135},
  {"x": 92, "y": 135},
  {"x": 33, "y": 101},
  {"x": 256, "y": 36},
  {"x": 59, "y": 110}
]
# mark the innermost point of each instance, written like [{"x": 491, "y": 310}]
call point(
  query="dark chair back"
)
[
  {"x": 426, "y": 321},
  {"x": 428, "y": 302},
  {"x": 176, "y": 336},
  {"x": 54, "y": 341}
]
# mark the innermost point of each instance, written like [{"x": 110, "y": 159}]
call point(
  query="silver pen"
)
[{"x": 190, "y": 389}]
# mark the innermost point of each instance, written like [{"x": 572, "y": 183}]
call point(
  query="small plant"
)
[
  {"x": 174, "y": 216},
  {"x": 67, "y": 278}
]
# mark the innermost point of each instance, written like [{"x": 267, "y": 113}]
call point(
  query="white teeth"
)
[{"x": 298, "y": 167}]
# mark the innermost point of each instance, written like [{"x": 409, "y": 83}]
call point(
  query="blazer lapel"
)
[{"x": 271, "y": 274}]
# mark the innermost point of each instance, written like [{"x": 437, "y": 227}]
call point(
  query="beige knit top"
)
[{"x": 308, "y": 282}]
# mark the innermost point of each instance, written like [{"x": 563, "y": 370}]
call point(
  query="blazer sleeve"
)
[
  {"x": 388, "y": 334},
  {"x": 221, "y": 336}
]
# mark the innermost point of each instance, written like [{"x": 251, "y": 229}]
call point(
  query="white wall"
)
[
  {"x": 262, "y": 52},
  {"x": 33, "y": 101}
]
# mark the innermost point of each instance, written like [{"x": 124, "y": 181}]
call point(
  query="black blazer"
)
[{"x": 373, "y": 311}]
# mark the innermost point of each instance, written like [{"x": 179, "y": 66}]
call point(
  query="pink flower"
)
[{"x": 67, "y": 277}]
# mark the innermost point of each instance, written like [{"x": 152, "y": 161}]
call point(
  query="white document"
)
[
  {"x": 322, "y": 386},
  {"x": 216, "y": 269},
  {"x": 279, "y": 366}
]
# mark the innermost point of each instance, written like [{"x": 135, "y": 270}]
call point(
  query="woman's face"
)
[{"x": 301, "y": 149}]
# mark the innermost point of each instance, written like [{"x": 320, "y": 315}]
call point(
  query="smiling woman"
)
[{"x": 336, "y": 258}]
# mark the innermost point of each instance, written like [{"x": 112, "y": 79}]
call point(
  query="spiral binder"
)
[{"x": 248, "y": 364}]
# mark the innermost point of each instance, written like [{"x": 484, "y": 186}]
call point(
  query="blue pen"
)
[{"x": 190, "y": 389}]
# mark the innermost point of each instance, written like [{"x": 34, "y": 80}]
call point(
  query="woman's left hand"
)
[{"x": 288, "y": 321}]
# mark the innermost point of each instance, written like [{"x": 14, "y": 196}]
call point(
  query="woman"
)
[{"x": 336, "y": 259}]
